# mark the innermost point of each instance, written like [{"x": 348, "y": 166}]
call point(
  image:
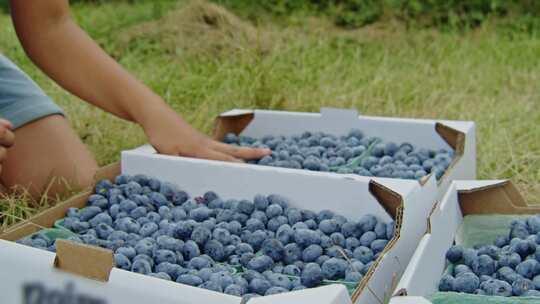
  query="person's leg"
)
[{"x": 47, "y": 153}]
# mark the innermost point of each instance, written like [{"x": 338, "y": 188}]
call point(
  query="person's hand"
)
[
  {"x": 6, "y": 139},
  {"x": 170, "y": 134}
]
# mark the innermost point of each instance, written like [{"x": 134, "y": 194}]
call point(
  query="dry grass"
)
[{"x": 487, "y": 75}]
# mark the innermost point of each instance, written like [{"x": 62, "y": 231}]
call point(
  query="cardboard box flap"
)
[
  {"x": 107, "y": 172},
  {"x": 89, "y": 261},
  {"x": 232, "y": 122},
  {"x": 47, "y": 217},
  {"x": 496, "y": 198},
  {"x": 453, "y": 137},
  {"x": 389, "y": 199},
  {"x": 19, "y": 231}
]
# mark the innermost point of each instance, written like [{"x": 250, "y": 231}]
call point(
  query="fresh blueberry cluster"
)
[
  {"x": 509, "y": 267},
  {"x": 353, "y": 153},
  {"x": 240, "y": 247}
]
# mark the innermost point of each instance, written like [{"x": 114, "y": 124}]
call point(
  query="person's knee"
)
[{"x": 49, "y": 159}]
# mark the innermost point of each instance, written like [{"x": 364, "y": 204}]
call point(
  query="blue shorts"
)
[{"x": 21, "y": 99}]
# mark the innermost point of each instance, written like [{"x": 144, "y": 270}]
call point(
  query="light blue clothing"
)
[{"x": 21, "y": 99}]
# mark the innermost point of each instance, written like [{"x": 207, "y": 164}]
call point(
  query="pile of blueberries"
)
[
  {"x": 155, "y": 229},
  {"x": 509, "y": 267},
  {"x": 353, "y": 153}
]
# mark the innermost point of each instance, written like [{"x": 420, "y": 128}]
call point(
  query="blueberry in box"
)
[
  {"x": 354, "y": 153},
  {"x": 510, "y": 267},
  {"x": 248, "y": 248}
]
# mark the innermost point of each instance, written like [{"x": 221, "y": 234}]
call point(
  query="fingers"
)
[
  {"x": 3, "y": 154},
  {"x": 241, "y": 152},
  {"x": 217, "y": 155},
  {"x": 6, "y": 136},
  {"x": 6, "y": 123}
]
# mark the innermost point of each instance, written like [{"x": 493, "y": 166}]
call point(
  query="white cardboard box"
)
[
  {"x": 474, "y": 197},
  {"x": 407, "y": 201},
  {"x": 432, "y": 134}
]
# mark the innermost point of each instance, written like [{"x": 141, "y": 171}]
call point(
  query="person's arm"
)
[{"x": 56, "y": 44}]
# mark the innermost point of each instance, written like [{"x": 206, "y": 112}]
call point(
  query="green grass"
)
[{"x": 488, "y": 75}]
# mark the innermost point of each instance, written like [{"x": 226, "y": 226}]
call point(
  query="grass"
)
[{"x": 488, "y": 75}]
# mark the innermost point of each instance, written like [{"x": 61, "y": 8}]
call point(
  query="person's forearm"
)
[{"x": 62, "y": 50}]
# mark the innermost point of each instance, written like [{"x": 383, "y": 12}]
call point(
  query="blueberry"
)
[
  {"x": 507, "y": 274},
  {"x": 274, "y": 210},
  {"x": 528, "y": 268},
  {"x": 164, "y": 255},
  {"x": 245, "y": 206},
  {"x": 367, "y": 223},
  {"x": 148, "y": 229},
  {"x": 103, "y": 230},
  {"x": 280, "y": 280},
  {"x": 294, "y": 216},
  {"x": 469, "y": 256},
  {"x": 306, "y": 237},
  {"x": 353, "y": 277},
  {"x": 325, "y": 215},
  {"x": 323, "y": 258},
  {"x": 138, "y": 212},
  {"x": 363, "y": 254},
  {"x": 285, "y": 234},
  {"x": 490, "y": 250},
  {"x": 259, "y": 215},
  {"x": 367, "y": 238},
  {"x": 87, "y": 213},
  {"x": 466, "y": 282},
  {"x": 311, "y": 275},
  {"x": 121, "y": 261},
  {"x": 128, "y": 252},
  {"x": 275, "y": 290},
  {"x": 326, "y": 242},
  {"x": 190, "y": 250},
  {"x": 494, "y": 287},
  {"x": 311, "y": 253},
  {"x": 215, "y": 250},
  {"x": 378, "y": 245},
  {"x": 256, "y": 239},
  {"x": 260, "y": 202},
  {"x": 103, "y": 186},
  {"x": 274, "y": 249},
  {"x": 259, "y": 286},
  {"x": 521, "y": 286},
  {"x": 279, "y": 200},
  {"x": 99, "y": 201},
  {"x": 200, "y": 214},
  {"x": 291, "y": 270},
  {"x": 128, "y": 225},
  {"x": 158, "y": 199},
  {"x": 337, "y": 239},
  {"x": 521, "y": 247},
  {"x": 349, "y": 229},
  {"x": 292, "y": 253},
  {"x": 300, "y": 225},
  {"x": 234, "y": 227},
  {"x": 511, "y": 260},
  {"x": 260, "y": 263},
  {"x": 334, "y": 268},
  {"x": 234, "y": 290},
  {"x": 329, "y": 226},
  {"x": 141, "y": 266},
  {"x": 189, "y": 279},
  {"x": 254, "y": 225},
  {"x": 170, "y": 269},
  {"x": 222, "y": 278}
]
